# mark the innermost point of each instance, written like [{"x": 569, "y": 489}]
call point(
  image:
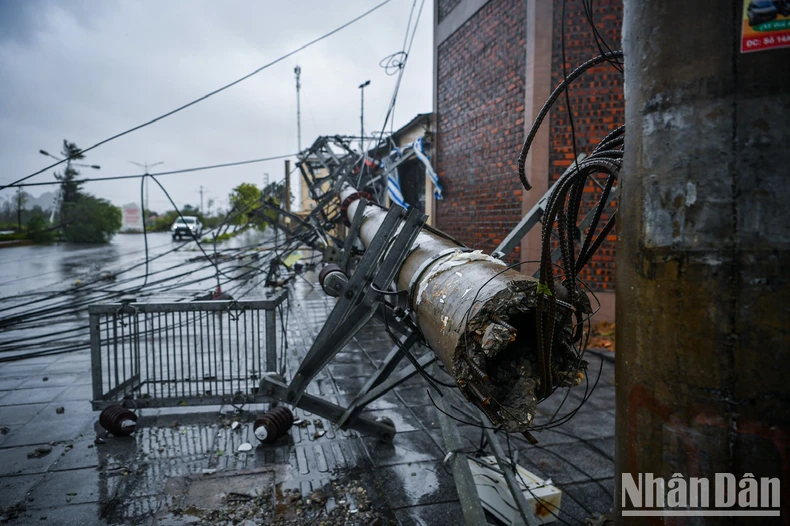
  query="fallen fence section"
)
[{"x": 184, "y": 353}]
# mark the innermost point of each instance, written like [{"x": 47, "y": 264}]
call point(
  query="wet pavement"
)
[
  {"x": 45, "y": 289},
  {"x": 183, "y": 464}
]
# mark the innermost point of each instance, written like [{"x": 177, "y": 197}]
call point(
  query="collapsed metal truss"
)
[{"x": 333, "y": 173}]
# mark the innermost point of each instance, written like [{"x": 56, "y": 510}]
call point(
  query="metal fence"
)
[{"x": 186, "y": 353}]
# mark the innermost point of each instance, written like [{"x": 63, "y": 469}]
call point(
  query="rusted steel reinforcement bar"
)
[{"x": 479, "y": 317}]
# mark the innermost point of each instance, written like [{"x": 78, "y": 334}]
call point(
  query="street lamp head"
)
[
  {"x": 44, "y": 152},
  {"x": 96, "y": 167},
  {"x": 366, "y": 83}
]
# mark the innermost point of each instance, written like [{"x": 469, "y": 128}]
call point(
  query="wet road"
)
[{"x": 45, "y": 290}]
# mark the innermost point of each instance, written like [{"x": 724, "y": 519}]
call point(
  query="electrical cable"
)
[
  {"x": 158, "y": 174},
  {"x": 210, "y": 94}
]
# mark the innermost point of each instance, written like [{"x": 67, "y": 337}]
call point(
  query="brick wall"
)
[
  {"x": 445, "y": 6},
  {"x": 480, "y": 115},
  {"x": 597, "y": 104}
]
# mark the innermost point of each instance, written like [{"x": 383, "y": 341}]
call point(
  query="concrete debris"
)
[{"x": 41, "y": 451}]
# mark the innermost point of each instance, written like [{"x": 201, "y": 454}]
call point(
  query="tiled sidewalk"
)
[{"x": 153, "y": 476}]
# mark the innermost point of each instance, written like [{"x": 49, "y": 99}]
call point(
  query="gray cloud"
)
[{"x": 87, "y": 69}]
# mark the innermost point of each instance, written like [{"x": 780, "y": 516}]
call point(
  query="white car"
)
[{"x": 186, "y": 226}]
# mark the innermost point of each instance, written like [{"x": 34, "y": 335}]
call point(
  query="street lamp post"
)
[
  {"x": 362, "y": 116},
  {"x": 145, "y": 166}
]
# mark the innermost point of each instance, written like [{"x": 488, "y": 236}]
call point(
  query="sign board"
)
[
  {"x": 765, "y": 25},
  {"x": 132, "y": 219}
]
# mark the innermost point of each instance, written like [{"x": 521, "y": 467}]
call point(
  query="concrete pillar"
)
[{"x": 703, "y": 353}]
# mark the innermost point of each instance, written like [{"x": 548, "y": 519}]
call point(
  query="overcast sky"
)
[{"x": 86, "y": 69}]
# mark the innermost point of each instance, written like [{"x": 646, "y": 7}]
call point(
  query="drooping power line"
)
[{"x": 206, "y": 96}]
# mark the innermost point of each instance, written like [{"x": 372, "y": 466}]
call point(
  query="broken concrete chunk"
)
[
  {"x": 41, "y": 451},
  {"x": 495, "y": 338}
]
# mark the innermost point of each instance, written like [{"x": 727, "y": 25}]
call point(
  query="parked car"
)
[{"x": 186, "y": 226}]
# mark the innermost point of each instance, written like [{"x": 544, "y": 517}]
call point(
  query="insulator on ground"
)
[
  {"x": 273, "y": 425},
  {"x": 118, "y": 420}
]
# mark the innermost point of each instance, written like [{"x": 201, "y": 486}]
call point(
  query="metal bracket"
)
[
  {"x": 353, "y": 234},
  {"x": 358, "y": 303},
  {"x": 314, "y": 404}
]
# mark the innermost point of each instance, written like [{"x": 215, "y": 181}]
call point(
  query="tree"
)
[
  {"x": 69, "y": 187},
  {"x": 92, "y": 220},
  {"x": 19, "y": 201},
  {"x": 7, "y": 208},
  {"x": 37, "y": 227},
  {"x": 189, "y": 210},
  {"x": 243, "y": 199}
]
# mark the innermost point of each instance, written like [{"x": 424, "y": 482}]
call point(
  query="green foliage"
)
[
  {"x": 16, "y": 236},
  {"x": 92, "y": 220},
  {"x": 70, "y": 190},
  {"x": 37, "y": 230},
  {"x": 243, "y": 199}
]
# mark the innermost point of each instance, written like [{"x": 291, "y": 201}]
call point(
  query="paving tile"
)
[
  {"x": 44, "y": 431},
  {"x": 6, "y": 432},
  {"x": 414, "y": 484},
  {"x": 352, "y": 370},
  {"x": 83, "y": 453},
  {"x": 31, "y": 396},
  {"x": 71, "y": 487},
  {"x": 604, "y": 446},
  {"x": 414, "y": 446},
  {"x": 589, "y": 424},
  {"x": 130, "y": 510},
  {"x": 77, "y": 392},
  {"x": 67, "y": 515},
  {"x": 19, "y": 414},
  {"x": 414, "y": 393},
  {"x": 14, "y": 489},
  {"x": 427, "y": 415},
  {"x": 20, "y": 370},
  {"x": 73, "y": 363},
  {"x": 6, "y": 384},
  {"x": 597, "y": 497},
  {"x": 15, "y": 460},
  {"x": 70, "y": 409},
  {"x": 54, "y": 380},
  {"x": 443, "y": 513},
  {"x": 568, "y": 463}
]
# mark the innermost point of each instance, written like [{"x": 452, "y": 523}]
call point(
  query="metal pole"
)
[
  {"x": 146, "y": 166},
  {"x": 287, "y": 184},
  {"x": 703, "y": 250},
  {"x": 362, "y": 116},
  {"x": 298, "y": 72}
]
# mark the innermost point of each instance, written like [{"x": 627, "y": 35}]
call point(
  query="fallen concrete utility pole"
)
[{"x": 479, "y": 318}]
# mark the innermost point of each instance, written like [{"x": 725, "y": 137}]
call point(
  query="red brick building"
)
[{"x": 495, "y": 64}]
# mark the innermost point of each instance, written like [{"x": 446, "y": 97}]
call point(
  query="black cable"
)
[
  {"x": 206, "y": 96},
  {"x": 168, "y": 172}
]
